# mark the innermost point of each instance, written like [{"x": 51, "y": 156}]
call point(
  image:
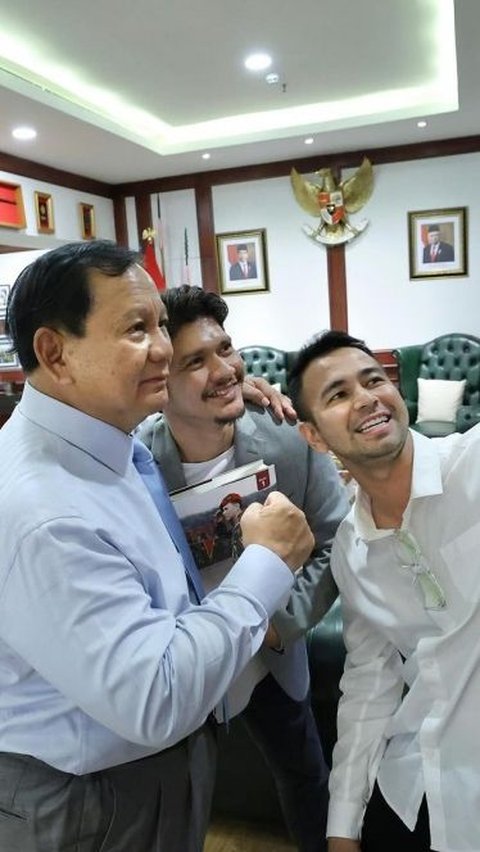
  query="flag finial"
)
[
  {"x": 150, "y": 262},
  {"x": 148, "y": 234}
]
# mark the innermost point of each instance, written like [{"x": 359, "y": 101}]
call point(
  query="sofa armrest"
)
[
  {"x": 412, "y": 409},
  {"x": 408, "y": 360},
  {"x": 467, "y": 416}
]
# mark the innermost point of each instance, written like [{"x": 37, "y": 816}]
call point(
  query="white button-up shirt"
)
[{"x": 410, "y": 708}]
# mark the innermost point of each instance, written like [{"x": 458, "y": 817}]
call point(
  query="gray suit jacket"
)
[{"x": 309, "y": 479}]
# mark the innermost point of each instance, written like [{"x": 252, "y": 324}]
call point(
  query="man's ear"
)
[
  {"x": 49, "y": 345},
  {"x": 313, "y": 437}
]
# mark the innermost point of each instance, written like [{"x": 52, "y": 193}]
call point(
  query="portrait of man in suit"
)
[
  {"x": 437, "y": 250},
  {"x": 244, "y": 267}
]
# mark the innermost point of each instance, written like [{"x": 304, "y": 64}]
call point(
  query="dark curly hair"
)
[{"x": 186, "y": 304}]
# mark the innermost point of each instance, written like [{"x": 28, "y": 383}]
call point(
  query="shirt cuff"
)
[
  {"x": 345, "y": 819},
  {"x": 262, "y": 573}
]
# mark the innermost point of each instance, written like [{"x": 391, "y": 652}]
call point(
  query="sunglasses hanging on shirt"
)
[{"x": 412, "y": 559}]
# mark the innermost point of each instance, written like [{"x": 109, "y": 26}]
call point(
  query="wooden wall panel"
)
[{"x": 206, "y": 237}]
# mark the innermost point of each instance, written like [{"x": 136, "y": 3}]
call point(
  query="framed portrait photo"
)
[
  {"x": 437, "y": 241},
  {"x": 4, "y": 291},
  {"x": 8, "y": 359},
  {"x": 44, "y": 213},
  {"x": 87, "y": 221},
  {"x": 242, "y": 262}
]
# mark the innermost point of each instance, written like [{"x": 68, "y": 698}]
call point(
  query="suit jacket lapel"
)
[
  {"x": 249, "y": 445},
  {"x": 164, "y": 447}
]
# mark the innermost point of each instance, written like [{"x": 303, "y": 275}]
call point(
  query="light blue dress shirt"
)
[{"x": 103, "y": 659}]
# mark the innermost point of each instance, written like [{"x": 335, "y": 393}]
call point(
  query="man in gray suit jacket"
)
[{"x": 203, "y": 431}]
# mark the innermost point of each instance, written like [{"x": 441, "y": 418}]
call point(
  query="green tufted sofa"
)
[
  {"x": 450, "y": 356},
  {"x": 268, "y": 363}
]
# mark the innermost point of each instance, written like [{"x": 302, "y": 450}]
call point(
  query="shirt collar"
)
[
  {"x": 104, "y": 442},
  {"x": 426, "y": 482}
]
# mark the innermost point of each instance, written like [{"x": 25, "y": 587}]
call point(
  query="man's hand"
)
[
  {"x": 343, "y": 844},
  {"x": 272, "y": 639},
  {"x": 260, "y": 392},
  {"x": 281, "y": 527}
]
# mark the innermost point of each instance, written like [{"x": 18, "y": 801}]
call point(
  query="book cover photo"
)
[{"x": 210, "y": 513}]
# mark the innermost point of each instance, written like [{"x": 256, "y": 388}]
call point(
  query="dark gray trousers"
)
[{"x": 160, "y": 803}]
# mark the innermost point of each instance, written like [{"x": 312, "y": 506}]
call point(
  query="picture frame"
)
[
  {"x": 12, "y": 210},
  {"x": 438, "y": 242},
  {"x": 87, "y": 221},
  {"x": 8, "y": 359},
  {"x": 242, "y": 262},
  {"x": 44, "y": 213},
  {"x": 4, "y": 291}
]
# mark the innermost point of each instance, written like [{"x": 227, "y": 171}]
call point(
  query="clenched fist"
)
[{"x": 280, "y": 526}]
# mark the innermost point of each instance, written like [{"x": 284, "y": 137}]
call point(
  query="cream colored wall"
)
[
  {"x": 297, "y": 304},
  {"x": 385, "y": 307},
  {"x": 12, "y": 263}
]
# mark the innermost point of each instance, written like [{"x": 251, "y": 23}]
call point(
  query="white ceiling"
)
[{"x": 168, "y": 81}]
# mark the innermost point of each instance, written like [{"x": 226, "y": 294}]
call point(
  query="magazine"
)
[{"x": 210, "y": 513}]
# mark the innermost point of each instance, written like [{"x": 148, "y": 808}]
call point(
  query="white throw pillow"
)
[{"x": 439, "y": 399}]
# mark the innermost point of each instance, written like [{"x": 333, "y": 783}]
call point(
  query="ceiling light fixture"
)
[
  {"x": 271, "y": 79},
  {"x": 24, "y": 133},
  {"x": 422, "y": 123},
  {"x": 309, "y": 140},
  {"x": 42, "y": 77},
  {"x": 206, "y": 156},
  {"x": 258, "y": 61}
]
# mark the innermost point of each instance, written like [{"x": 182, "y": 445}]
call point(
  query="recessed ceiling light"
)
[
  {"x": 271, "y": 79},
  {"x": 206, "y": 156},
  {"x": 421, "y": 123},
  {"x": 24, "y": 133},
  {"x": 309, "y": 140},
  {"x": 258, "y": 61}
]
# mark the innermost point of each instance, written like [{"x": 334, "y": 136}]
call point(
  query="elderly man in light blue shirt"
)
[{"x": 109, "y": 668}]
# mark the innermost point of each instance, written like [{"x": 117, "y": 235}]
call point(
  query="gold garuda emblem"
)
[{"x": 332, "y": 202}]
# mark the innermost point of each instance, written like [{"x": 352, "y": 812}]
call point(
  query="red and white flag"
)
[{"x": 150, "y": 263}]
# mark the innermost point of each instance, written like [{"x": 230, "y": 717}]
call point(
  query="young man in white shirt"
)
[{"x": 406, "y": 771}]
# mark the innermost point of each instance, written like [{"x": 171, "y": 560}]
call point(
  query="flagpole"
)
[
  {"x": 186, "y": 275},
  {"x": 160, "y": 236}
]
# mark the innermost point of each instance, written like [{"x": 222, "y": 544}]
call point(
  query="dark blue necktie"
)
[{"x": 153, "y": 479}]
